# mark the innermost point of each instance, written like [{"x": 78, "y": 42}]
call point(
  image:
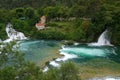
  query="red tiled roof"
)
[{"x": 40, "y": 24}]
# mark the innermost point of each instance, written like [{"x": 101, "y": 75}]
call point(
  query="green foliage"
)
[
  {"x": 107, "y": 17},
  {"x": 3, "y": 34},
  {"x": 52, "y": 74},
  {"x": 83, "y": 30},
  {"x": 48, "y": 34},
  {"x": 69, "y": 71},
  {"x": 50, "y": 12},
  {"x": 7, "y": 73},
  {"x": 19, "y": 12},
  {"x": 77, "y": 11},
  {"x": 30, "y": 13},
  {"x": 10, "y": 56}
]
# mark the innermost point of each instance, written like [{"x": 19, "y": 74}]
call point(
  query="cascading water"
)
[
  {"x": 12, "y": 34},
  {"x": 104, "y": 39}
]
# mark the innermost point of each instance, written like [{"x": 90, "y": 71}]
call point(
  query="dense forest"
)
[{"x": 66, "y": 18}]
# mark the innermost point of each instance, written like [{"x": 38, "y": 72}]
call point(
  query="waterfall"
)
[
  {"x": 104, "y": 39},
  {"x": 13, "y": 34}
]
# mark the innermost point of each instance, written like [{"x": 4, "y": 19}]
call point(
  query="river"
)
[{"x": 92, "y": 60}]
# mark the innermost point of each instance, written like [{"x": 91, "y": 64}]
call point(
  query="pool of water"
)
[{"x": 37, "y": 50}]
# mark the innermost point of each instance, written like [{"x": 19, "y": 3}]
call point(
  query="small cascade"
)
[
  {"x": 104, "y": 39},
  {"x": 13, "y": 34}
]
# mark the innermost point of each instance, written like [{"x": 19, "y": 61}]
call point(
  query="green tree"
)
[
  {"x": 77, "y": 11},
  {"x": 69, "y": 71},
  {"x": 50, "y": 12},
  {"x": 19, "y": 12},
  {"x": 30, "y": 13}
]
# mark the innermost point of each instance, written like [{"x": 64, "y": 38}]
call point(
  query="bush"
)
[{"x": 68, "y": 71}]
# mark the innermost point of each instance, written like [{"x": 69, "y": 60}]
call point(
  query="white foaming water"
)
[
  {"x": 110, "y": 79},
  {"x": 66, "y": 56},
  {"x": 54, "y": 64},
  {"x": 106, "y": 78},
  {"x": 12, "y": 34},
  {"x": 45, "y": 69},
  {"x": 85, "y": 51},
  {"x": 76, "y": 44},
  {"x": 102, "y": 40}
]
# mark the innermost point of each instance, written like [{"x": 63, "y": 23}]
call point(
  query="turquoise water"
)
[
  {"x": 37, "y": 50},
  {"x": 86, "y": 53}
]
